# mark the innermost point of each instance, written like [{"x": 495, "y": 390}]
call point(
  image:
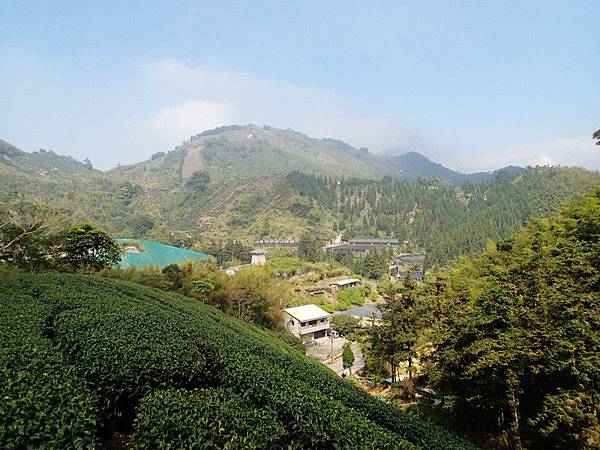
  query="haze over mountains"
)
[
  {"x": 233, "y": 183},
  {"x": 247, "y": 151}
]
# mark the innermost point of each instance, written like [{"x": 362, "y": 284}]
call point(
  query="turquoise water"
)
[{"x": 155, "y": 254}]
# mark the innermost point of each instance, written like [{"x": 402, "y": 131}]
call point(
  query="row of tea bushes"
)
[{"x": 171, "y": 372}]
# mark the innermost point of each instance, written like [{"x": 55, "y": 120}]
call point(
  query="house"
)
[
  {"x": 345, "y": 283},
  {"x": 375, "y": 241},
  {"x": 307, "y": 322},
  {"x": 258, "y": 258},
  {"x": 368, "y": 314}
]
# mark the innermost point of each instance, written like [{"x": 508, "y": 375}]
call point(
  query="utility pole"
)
[{"x": 331, "y": 347}]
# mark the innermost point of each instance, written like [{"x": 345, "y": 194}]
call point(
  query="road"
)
[
  {"x": 322, "y": 349},
  {"x": 337, "y": 366}
]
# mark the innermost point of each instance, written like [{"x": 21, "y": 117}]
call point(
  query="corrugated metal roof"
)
[
  {"x": 369, "y": 310},
  {"x": 346, "y": 281},
  {"x": 307, "y": 312}
]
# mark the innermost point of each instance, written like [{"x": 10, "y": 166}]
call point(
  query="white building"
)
[
  {"x": 258, "y": 258},
  {"x": 346, "y": 283},
  {"x": 307, "y": 322}
]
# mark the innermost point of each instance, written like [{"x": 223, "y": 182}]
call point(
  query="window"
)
[
  {"x": 312, "y": 322},
  {"x": 293, "y": 322}
]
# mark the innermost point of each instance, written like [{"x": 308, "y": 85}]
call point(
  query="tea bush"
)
[
  {"x": 82, "y": 357},
  {"x": 178, "y": 418}
]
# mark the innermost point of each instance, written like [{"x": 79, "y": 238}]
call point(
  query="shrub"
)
[
  {"x": 350, "y": 297},
  {"x": 43, "y": 403},
  {"x": 177, "y": 418},
  {"x": 119, "y": 353}
]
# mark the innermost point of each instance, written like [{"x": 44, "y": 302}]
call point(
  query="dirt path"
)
[{"x": 192, "y": 162}]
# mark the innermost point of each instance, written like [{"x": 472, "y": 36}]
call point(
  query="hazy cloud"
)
[
  {"x": 174, "y": 122},
  {"x": 223, "y": 97},
  {"x": 568, "y": 151}
]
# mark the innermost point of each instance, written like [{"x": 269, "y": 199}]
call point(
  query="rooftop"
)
[
  {"x": 307, "y": 312},
  {"x": 369, "y": 310},
  {"x": 346, "y": 281}
]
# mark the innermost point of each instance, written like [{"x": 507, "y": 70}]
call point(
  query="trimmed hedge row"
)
[
  {"x": 177, "y": 373},
  {"x": 43, "y": 403},
  {"x": 215, "y": 417}
]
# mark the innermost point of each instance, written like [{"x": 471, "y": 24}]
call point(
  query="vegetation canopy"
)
[{"x": 83, "y": 358}]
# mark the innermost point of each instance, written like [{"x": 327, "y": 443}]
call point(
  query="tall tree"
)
[
  {"x": 396, "y": 337},
  {"x": 516, "y": 339},
  {"x": 347, "y": 357},
  {"x": 308, "y": 247},
  {"x": 25, "y": 234},
  {"x": 84, "y": 246}
]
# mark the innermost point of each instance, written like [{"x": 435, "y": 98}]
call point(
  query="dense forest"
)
[
  {"x": 510, "y": 337},
  {"x": 436, "y": 217},
  {"x": 204, "y": 192}
]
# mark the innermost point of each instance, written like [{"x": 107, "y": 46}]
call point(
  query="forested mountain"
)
[
  {"x": 410, "y": 165},
  {"x": 235, "y": 183},
  {"x": 241, "y": 152},
  {"x": 436, "y": 217}
]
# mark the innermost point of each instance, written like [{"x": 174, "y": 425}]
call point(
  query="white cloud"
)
[
  {"x": 180, "y": 121},
  {"x": 226, "y": 96}
]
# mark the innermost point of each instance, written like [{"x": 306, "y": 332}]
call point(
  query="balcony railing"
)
[{"x": 312, "y": 328}]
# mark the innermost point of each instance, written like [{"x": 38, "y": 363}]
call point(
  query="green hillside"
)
[
  {"x": 40, "y": 163},
  {"x": 234, "y": 183},
  {"x": 88, "y": 362},
  {"x": 241, "y": 152},
  {"x": 438, "y": 218}
]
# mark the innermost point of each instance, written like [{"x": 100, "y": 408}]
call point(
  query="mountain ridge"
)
[
  {"x": 248, "y": 150},
  {"x": 233, "y": 183}
]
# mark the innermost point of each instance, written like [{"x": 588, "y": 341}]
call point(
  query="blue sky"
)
[{"x": 474, "y": 85}]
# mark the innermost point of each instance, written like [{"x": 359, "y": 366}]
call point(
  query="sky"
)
[{"x": 475, "y": 85}]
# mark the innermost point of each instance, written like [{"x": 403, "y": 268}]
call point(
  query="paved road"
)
[
  {"x": 337, "y": 366},
  {"x": 322, "y": 352}
]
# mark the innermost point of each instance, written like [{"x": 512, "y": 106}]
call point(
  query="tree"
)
[
  {"x": 516, "y": 339},
  {"x": 597, "y": 136},
  {"x": 347, "y": 357},
  {"x": 374, "y": 265},
  {"x": 253, "y": 295},
  {"x": 199, "y": 180},
  {"x": 88, "y": 163},
  {"x": 345, "y": 325},
  {"x": 308, "y": 248},
  {"x": 175, "y": 275},
  {"x": 84, "y": 246},
  {"x": 396, "y": 337},
  {"x": 25, "y": 234},
  {"x": 203, "y": 287}
]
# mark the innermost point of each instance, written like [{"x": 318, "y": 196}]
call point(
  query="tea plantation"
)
[{"x": 85, "y": 359}]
